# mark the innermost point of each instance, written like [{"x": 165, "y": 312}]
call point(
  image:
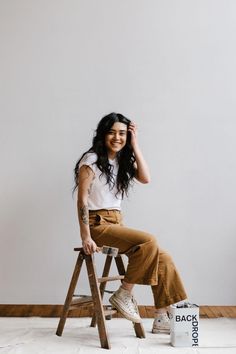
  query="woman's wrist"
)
[
  {"x": 86, "y": 238},
  {"x": 136, "y": 148}
]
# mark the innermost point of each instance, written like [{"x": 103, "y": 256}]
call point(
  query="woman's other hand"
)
[
  {"x": 90, "y": 246},
  {"x": 134, "y": 134}
]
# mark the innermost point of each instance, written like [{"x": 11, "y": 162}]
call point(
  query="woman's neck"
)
[{"x": 112, "y": 156}]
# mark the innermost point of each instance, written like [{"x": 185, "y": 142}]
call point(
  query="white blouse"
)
[{"x": 100, "y": 194}]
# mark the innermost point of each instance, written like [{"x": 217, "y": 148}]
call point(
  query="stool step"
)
[
  {"x": 117, "y": 277},
  {"x": 110, "y": 312},
  {"x": 109, "y": 291},
  {"x": 84, "y": 300}
]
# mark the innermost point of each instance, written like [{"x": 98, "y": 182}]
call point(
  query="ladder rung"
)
[
  {"x": 85, "y": 300},
  {"x": 117, "y": 277},
  {"x": 109, "y": 291},
  {"x": 110, "y": 312}
]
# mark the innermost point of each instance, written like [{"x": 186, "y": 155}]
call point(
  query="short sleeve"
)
[{"x": 89, "y": 160}]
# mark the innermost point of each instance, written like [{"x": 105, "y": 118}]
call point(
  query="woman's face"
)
[{"x": 116, "y": 139}]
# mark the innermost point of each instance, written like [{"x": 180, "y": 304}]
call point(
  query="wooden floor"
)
[{"x": 145, "y": 311}]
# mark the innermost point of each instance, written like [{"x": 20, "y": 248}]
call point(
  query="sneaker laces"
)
[{"x": 131, "y": 303}]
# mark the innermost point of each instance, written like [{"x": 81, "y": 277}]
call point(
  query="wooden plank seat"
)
[{"x": 72, "y": 301}]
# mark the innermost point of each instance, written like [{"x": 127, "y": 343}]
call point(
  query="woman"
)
[{"x": 103, "y": 176}]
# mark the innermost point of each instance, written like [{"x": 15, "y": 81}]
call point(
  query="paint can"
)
[{"x": 184, "y": 325}]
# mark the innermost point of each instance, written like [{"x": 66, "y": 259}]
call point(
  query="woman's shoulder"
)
[{"x": 89, "y": 158}]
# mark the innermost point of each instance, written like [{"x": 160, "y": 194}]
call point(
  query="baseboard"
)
[{"x": 12, "y": 310}]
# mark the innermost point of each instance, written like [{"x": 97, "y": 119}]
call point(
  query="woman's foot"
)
[
  {"x": 161, "y": 323},
  {"x": 125, "y": 303}
]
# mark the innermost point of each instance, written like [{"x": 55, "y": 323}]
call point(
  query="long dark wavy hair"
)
[{"x": 126, "y": 158}]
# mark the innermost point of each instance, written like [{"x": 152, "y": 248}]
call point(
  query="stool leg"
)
[
  {"x": 70, "y": 294},
  {"x": 139, "y": 330},
  {"x": 120, "y": 265},
  {"x": 138, "y": 327},
  {"x": 102, "y": 287},
  {"x": 98, "y": 307}
]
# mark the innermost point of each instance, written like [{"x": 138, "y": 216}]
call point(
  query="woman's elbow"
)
[{"x": 145, "y": 180}]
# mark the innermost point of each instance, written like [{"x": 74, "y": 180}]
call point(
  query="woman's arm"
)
[
  {"x": 86, "y": 176},
  {"x": 142, "y": 171}
]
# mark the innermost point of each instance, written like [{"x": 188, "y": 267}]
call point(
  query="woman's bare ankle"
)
[
  {"x": 161, "y": 311},
  {"x": 127, "y": 286}
]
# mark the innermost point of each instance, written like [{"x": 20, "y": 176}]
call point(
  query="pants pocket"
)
[{"x": 97, "y": 220}]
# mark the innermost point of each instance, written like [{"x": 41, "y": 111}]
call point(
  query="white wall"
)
[{"x": 170, "y": 66}]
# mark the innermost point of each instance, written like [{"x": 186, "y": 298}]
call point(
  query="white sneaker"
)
[
  {"x": 125, "y": 303},
  {"x": 161, "y": 324}
]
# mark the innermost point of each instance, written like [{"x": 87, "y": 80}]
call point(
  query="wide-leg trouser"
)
[{"x": 147, "y": 263}]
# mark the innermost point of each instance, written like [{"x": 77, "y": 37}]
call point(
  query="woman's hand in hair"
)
[
  {"x": 90, "y": 246},
  {"x": 134, "y": 134},
  {"x": 142, "y": 173}
]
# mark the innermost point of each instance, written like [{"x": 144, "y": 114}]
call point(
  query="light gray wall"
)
[{"x": 168, "y": 65}]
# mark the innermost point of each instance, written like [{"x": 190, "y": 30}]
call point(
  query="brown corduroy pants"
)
[{"x": 148, "y": 264}]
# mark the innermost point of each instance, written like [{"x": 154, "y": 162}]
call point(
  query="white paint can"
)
[{"x": 184, "y": 325}]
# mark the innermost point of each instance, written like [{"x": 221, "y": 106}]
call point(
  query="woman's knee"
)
[
  {"x": 165, "y": 258},
  {"x": 151, "y": 242}
]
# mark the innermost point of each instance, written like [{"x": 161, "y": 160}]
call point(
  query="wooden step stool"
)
[{"x": 72, "y": 301}]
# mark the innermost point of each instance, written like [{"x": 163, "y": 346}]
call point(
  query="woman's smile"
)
[
  {"x": 116, "y": 138},
  {"x": 115, "y": 143}
]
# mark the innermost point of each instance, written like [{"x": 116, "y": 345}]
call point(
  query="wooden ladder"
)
[{"x": 97, "y": 291}]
